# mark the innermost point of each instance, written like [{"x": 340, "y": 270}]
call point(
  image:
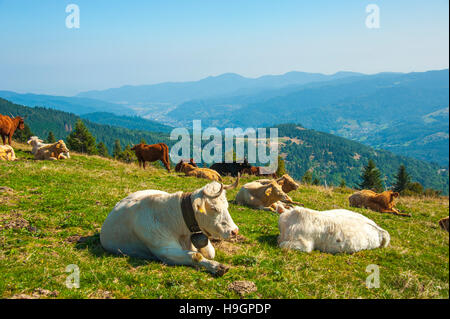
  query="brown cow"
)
[
  {"x": 383, "y": 202},
  {"x": 199, "y": 172},
  {"x": 152, "y": 153},
  {"x": 178, "y": 166},
  {"x": 9, "y": 125}
]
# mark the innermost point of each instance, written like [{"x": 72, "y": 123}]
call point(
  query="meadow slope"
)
[{"x": 51, "y": 214}]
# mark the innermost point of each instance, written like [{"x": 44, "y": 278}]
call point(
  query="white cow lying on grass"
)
[
  {"x": 153, "y": 223},
  {"x": 36, "y": 143},
  {"x": 333, "y": 231}
]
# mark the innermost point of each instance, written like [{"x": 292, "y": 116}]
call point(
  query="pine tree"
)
[
  {"x": 127, "y": 155},
  {"x": 117, "y": 149},
  {"x": 371, "y": 177},
  {"x": 307, "y": 178},
  {"x": 342, "y": 183},
  {"x": 102, "y": 150},
  {"x": 23, "y": 135},
  {"x": 143, "y": 141},
  {"x": 316, "y": 181},
  {"x": 402, "y": 180},
  {"x": 281, "y": 169},
  {"x": 51, "y": 137},
  {"x": 81, "y": 140}
]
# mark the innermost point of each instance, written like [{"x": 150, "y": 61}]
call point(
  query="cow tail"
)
[{"x": 386, "y": 238}]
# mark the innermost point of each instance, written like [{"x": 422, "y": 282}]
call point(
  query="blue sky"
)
[{"x": 144, "y": 42}]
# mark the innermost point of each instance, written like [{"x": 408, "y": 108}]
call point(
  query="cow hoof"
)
[{"x": 221, "y": 270}]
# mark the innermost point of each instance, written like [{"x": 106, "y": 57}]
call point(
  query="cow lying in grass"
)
[
  {"x": 269, "y": 196},
  {"x": 333, "y": 231},
  {"x": 180, "y": 163},
  {"x": 199, "y": 172},
  {"x": 37, "y": 143},
  {"x": 7, "y": 153},
  {"x": 383, "y": 202},
  {"x": 154, "y": 224},
  {"x": 54, "y": 151}
]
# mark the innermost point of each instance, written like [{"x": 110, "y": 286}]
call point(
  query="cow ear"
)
[
  {"x": 199, "y": 205},
  {"x": 268, "y": 191}
]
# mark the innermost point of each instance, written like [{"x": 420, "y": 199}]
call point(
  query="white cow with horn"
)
[{"x": 171, "y": 227}]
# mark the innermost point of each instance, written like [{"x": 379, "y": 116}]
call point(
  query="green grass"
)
[{"x": 68, "y": 198}]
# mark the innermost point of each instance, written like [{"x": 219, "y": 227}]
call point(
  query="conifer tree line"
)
[{"x": 371, "y": 178}]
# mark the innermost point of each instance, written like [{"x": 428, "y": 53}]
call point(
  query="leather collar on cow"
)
[{"x": 198, "y": 238}]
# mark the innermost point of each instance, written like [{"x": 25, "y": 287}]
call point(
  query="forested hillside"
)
[
  {"x": 130, "y": 122},
  {"x": 332, "y": 158}
]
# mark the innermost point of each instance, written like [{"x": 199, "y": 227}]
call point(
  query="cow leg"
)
[
  {"x": 300, "y": 244},
  {"x": 395, "y": 212},
  {"x": 208, "y": 251},
  {"x": 166, "y": 165},
  {"x": 4, "y": 139},
  {"x": 175, "y": 255},
  {"x": 9, "y": 139},
  {"x": 143, "y": 164}
]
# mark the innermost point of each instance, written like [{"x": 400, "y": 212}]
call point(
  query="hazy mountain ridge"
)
[{"x": 76, "y": 105}]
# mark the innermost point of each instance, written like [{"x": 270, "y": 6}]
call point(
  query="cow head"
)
[
  {"x": 61, "y": 147},
  {"x": 287, "y": 183},
  {"x": 274, "y": 192},
  {"x": 211, "y": 210},
  {"x": 21, "y": 124}
]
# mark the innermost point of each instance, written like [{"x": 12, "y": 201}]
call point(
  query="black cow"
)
[{"x": 232, "y": 169}]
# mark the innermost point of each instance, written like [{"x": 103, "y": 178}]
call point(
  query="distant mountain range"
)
[
  {"x": 213, "y": 86},
  {"x": 404, "y": 113}
]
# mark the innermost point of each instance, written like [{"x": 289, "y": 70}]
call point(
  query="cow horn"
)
[
  {"x": 12, "y": 116},
  {"x": 234, "y": 185},
  {"x": 214, "y": 195}
]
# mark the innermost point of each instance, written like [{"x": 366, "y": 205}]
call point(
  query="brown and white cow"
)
[
  {"x": 7, "y": 153},
  {"x": 54, "y": 151},
  {"x": 200, "y": 172},
  {"x": 268, "y": 196}
]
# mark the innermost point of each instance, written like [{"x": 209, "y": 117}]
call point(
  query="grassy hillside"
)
[{"x": 51, "y": 214}]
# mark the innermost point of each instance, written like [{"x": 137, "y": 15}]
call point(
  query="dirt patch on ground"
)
[
  {"x": 77, "y": 239},
  {"x": 101, "y": 294},
  {"x": 242, "y": 287},
  {"x": 229, "y": 246},
  {"x": 15, "y": 221},
  {"x": 38, "y": 293},
  {"x": 7, "y": 196}
]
